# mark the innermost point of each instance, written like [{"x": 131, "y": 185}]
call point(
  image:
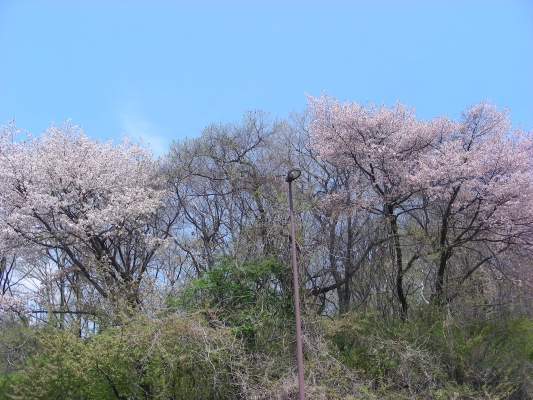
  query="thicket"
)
[{"x": 240, "y": 348}]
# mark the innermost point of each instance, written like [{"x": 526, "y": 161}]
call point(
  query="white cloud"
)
[{"x": 136, "y": 126}]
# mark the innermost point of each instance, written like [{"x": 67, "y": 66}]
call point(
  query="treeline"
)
[{"x": 125, "y": 276}]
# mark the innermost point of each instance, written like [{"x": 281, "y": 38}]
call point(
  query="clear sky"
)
[{"x": 164, "y": 70}]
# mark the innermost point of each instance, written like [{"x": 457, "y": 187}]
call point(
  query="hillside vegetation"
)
[{"x": 128, "y": 277}]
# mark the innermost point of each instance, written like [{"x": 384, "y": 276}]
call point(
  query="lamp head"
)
[{"x": 293, "y": 174}]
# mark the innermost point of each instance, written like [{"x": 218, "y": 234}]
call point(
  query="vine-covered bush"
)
[
  {"x": 438, "y": 356},
  {"x": 176, "y": 357}
]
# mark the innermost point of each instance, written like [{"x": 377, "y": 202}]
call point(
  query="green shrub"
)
[
  {"x": 175, "y": 357},
  {"x": 247, "y": 297},
  {"x": 383, "y": 353},
  {"x": 433, "y": 354}
]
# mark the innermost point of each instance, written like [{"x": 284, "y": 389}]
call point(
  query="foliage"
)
[
  {"x": 174, "y": 357},
  {"x": 16, "y": 344},
  {"x": 491, "y": 359},
  {"x": 248, "y": 297},
  {"x": 187, "y": 356}
]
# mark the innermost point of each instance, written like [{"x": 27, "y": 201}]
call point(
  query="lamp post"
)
[{"x": 293, "y": 174}]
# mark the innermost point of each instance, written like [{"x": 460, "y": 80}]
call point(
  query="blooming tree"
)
[
  {"x": 478, "y": 180},
  {"x": 461, "y": 182},
  {"x": 93, "y": 202}
]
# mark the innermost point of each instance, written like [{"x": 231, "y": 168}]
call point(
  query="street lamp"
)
[{"x": 293, "y": 174}]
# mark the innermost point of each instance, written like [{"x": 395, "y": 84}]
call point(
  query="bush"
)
[
  {"x": 385, "y": 355},
  {"x": 435, "y": 356},
  {"x": 176, "y": 357},
  {"x": 247, "y": 297}
]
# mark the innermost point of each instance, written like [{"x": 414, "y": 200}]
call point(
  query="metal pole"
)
[{"x": 297, "y": 303}]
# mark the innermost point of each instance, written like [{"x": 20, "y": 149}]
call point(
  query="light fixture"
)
[{"x": 293, "y": 174}]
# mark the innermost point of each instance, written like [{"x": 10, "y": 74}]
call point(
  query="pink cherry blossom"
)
[
  {"x": 91, "y": 200},
  {"x": 466, "y": 182}
]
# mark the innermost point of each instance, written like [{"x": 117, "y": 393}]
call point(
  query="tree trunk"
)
[{"x": 399, "y": 263}]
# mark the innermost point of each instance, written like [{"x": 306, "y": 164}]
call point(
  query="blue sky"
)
[{"x": 164, "y": 70}]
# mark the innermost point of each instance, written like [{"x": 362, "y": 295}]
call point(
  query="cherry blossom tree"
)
[
  {"x": 335, "y": 243},
  {"x": 478, "y": 180},
  {"x": 94, "y": 203},
  {"x": 384, "y": 146},
  {"x": 462, "y": 182}
]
